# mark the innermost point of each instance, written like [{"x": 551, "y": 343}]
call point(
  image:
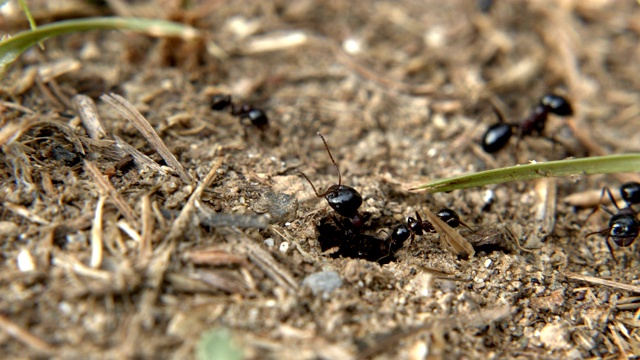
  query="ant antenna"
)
[
  {"x": 310, "y": 183},
  {"x": 332, "y": 160}
]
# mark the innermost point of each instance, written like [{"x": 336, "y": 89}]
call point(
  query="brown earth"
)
[{"x": 402, "y": 91}]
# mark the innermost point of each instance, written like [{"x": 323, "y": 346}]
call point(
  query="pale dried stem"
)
[
  {"x": 25, "y": 336},
  {"x": 599, "y": 281},
  {"x": 126, "y": 109},
  {"x": 182, "y": 222},
  {"x": 147, "y": 228},
  {"x": 105, "y": 186},
  {"x": 96, "y": 235},
  {"x": 88, "y": 112},
  {"x": 141, "y": 160},
  {"x": 25, "y": 213}
]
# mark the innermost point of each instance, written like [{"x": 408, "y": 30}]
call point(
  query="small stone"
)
[
  {"x": 322, "y": 282},
  {"x": 25, "y": 261},
  {"x": 269, "y": 242},
  {"x": 282, "y": 207},
  {"x": 555, "y": 336}
]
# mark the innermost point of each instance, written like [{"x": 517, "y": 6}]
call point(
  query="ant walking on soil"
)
[
  {"x": 256, "y": 117},
  {"x": 416, "y": 227},
  {"x": 344, "y": 199},
  {"x": 624, "y": 226},
  {"x": 498, "y": 135}
]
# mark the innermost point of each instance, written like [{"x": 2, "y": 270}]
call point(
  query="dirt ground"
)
[{"x": 105, "y": 257}]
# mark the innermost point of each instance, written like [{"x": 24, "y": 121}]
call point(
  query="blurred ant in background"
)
[
  {"x": 256, "y": 117},
  {"x": 498, "y": 135},
  {"x": 624, "y": 226}
]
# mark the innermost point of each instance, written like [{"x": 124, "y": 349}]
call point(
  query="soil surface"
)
[{"x": 112, "y": 248}]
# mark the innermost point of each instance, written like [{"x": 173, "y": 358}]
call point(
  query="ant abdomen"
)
[
  {"x": 630, "y": 193},
  {"x": 496, "y": 137}
]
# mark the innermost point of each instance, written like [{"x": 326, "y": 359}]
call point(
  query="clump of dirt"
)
[{"x": 132, "y": 228}]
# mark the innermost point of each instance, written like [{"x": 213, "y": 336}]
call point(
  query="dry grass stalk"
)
[
  {"x": 127, "y": 229},
  {"x": 25, "y": 213},
  {"x": 458, "y": 244},
  {"x": 141, "y": 160},
  {"x": 132, "y": 114},
  {"x": 214, "y": 257},
  {"x": 105, "y": 186},
  {"x": 147, "y": 227},
  {"x": 590, "y": 198},
  {"x": 11, "y": 131},
  {"x": 270, "y": 266},
  {"x": 25, "y": 336},
  {"x": 599, "y": 281},
  {"x": 547, "y": 192},
  {"x": 69, "y": 263},
  {"x": 96, "y": 235},
  {"x": 86, "y": 109},
  {"x": 182, "y": 222},
  {"x": 15, "y": 106}
]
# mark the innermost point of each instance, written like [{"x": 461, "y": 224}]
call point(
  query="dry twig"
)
[
  {"x": 86, "y": 109},
  {"x": 25, "y": 336},
  {"x": 105, "y": 186},
  {"x": 132, "y": 114}
]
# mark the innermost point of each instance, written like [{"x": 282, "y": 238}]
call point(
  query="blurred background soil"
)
[{"x": 402, "y": 91}]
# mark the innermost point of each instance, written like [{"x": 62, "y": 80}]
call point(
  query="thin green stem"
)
[{"x": 585, "y": 166}]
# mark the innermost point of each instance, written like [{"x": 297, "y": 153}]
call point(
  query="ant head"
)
[
  {"x": 557, "y": 105},
  {"x": 630, "y": 193},
  {"x": 344, "y": 199},
  {"x": 624, "y": 229}
]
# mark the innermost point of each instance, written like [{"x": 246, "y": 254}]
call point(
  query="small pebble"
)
[
  {"x": 555, "y": 336},
  {"x": 322, "y": 282}
]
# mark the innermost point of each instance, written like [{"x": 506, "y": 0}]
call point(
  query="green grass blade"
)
[
  {"x": 11, "y": 48},
  {"x": 27, "y": 13},
  {"x": 585, "y": 166}
]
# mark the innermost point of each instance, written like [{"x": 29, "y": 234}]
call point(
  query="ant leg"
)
[
  {"x": 611, "y": 250},
  {"x": 467, "y": 226},
  {"x": 610, "y": 197},
  {"x": 600, "y": 207}
]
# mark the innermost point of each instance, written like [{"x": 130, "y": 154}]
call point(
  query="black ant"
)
[
  {"x": 344, "y": 199},
  {"x": 416, "y": 227},
  {"x": 497, "y": 135},
  {"x": 624, "y": 226},
  {"x": 256, "y": 117}
]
